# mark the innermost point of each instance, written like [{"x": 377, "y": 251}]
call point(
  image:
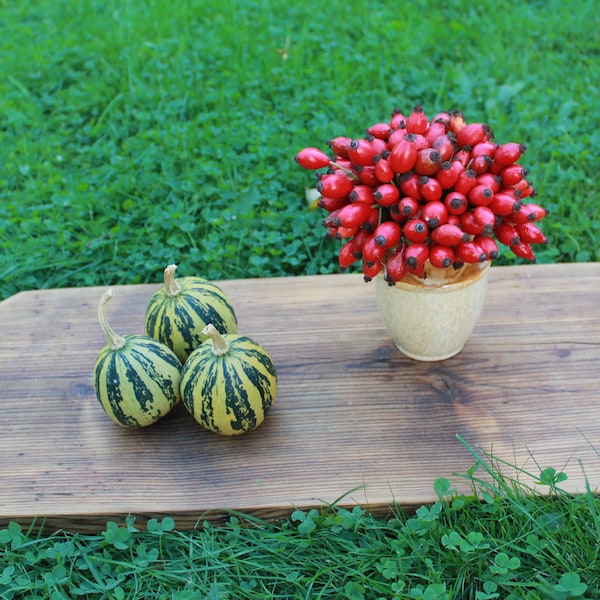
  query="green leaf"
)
[
  {"x": 443, "y": 487},
  {"x": 551, "y": 477},
  {"x": 572, "y": 584},
  {"x": 354, "y": 591}
]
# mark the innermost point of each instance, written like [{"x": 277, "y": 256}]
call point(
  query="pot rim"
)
[{"x": 441, "y": 279}]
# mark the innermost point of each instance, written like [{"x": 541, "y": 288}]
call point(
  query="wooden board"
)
[{"x": 353, "y": 416}]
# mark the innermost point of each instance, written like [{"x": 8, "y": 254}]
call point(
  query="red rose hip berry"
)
[
  {"x": 312, "y": 158},
  {"x": 508, "y": 153},
  {"x": 415, "y": 230},
  {"x": 404, "y": 154},
  {"x": 441, "y": 256}
]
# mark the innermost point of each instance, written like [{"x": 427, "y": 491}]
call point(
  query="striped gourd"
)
[
  {"x": 178, "y": 312},
  {"x": 228, "y": 385},
  {"x": 136, "y": 377}
]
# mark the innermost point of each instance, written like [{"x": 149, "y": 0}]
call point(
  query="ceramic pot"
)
[{"x": 431, "y": 319}]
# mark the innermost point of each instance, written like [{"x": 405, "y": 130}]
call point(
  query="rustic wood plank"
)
[{"x": 353, "y": 416}]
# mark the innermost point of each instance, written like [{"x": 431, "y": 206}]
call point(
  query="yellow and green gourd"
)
[
  {"x": 228, "y": 383},
  {"x": 136, "y": 377},
  {"x": 178, "y": 312}
]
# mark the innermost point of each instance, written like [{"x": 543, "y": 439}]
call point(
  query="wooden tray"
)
[{"x": 354, "y": 418}]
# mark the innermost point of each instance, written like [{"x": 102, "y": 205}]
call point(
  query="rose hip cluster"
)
[{"x": 415, "y": 190}]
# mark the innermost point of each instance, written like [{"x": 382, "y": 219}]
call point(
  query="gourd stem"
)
[
  {"x": 219, "y": 344},
  {"x": 114, "y": 340},
  {"x": 172, "y": 287}
]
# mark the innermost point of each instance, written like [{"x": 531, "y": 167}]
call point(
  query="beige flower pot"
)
[{"x": 431, "y": 319}]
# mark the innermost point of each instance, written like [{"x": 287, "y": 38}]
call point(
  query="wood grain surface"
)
[{"x": 354, "y": 419}]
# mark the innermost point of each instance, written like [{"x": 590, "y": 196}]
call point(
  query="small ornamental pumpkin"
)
[
  {"x": 229, "y": 383},
  {"x": 178, "y": 312},
  {"x": 136, "y": 377}
]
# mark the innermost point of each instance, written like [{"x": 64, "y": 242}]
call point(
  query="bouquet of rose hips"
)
[{"x": 415, "y": 191}]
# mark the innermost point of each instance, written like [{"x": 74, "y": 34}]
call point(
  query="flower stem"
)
[
  {"x": 115, "y": 341},
  {"x": 219, "y": 344}
]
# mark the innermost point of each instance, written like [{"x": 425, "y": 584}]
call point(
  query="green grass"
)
[
  {"x": 135, "y": 134},
  {"x": 525, "y": 539}
]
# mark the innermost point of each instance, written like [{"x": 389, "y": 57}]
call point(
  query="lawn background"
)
[{"x": 135, "y": 134}]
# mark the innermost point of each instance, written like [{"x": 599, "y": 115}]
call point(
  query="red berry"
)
[
  {"x": 466, "y": 180},
  {"x": 430, "y": 188},
  {"x": 395, "y": 213},
  {"x": 490, "y": 180},
  {"x": 443, "y": 117},
  {"x": 335, "y": 186},
  {"x": 464, "y": 156},
  {"x": 341, "y": 166},
  {"x": 472, "y": 134},
  {"x": 398, "y": 120},
  {"x": 362, "y": 152},
  {"x": 434, "y": 213},
  {"x": 480, "y": 164},
  {"x": 417, "y": 121},
  {"x": 358, "y": 241},
  {"x": 485, "y": 148},
  {"x": 312, "y": 158},
  {"x": 371, "y": 270},
  {"x": 523, "y": 250},
  {"x": 434, "y": 131},
  {"x": 372, "y": 252},
  {"x": 525, "y": 189},
  {"x": 509, "y": 153},
  {"x": 340, "y": 146},
  {"x": 396, "y": 137},
  {"x": 408, "y": 206},
  {"x": 456, "y": 203},
  {"x": 403, "y": 155},
  {"x": 506, "y": 234},
  {"x": 331, "y": 204},
  {"x": 395, "y": 267},
  {"x": 453, "y": 220},
  {"x": 387, "y": 234},
  {"x": 457, "y": 122},
  {"x": 512, "y": 174},
  {"x": 380, "y": 131},
  {"x": 378, "y": 144},
  {"x": 421, "y": 141},
  {"x": 441, "y": 256},
  {"x": 485, "y": 216},
  {"x": 529, "y": 212},
  {"x": 449, "y": 235},
  {"x": 372, "y": 219},
  {"x": 367, "y": 175},
  {"x": 488, "y": 245},
  {"x": 448, "y": 173},
  {"x": 410, "y": 185},
  {"x": 504, "y": 204},
  {"x": 383, "y": 170},
  {"x": 352, "y": 215},
  {"x": 331, "y": 231},
  {"x": 415, "y": 256},
  {"x": 469, "y": 224},
  {"x": 480, "y": 195},
  {"x": 386, "y": 194},
  {"x": 347, "y": 256},
  {"x": 343, "y": 233},
  {"x": 428, "y": 161},
  {"x": 470, "y": 252},
  {"x": 445, "y": 144},
  {"x": 362, "y": 193},
  {"x": 530, "y": 233},
  {"x": 415, "y": 230}
]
